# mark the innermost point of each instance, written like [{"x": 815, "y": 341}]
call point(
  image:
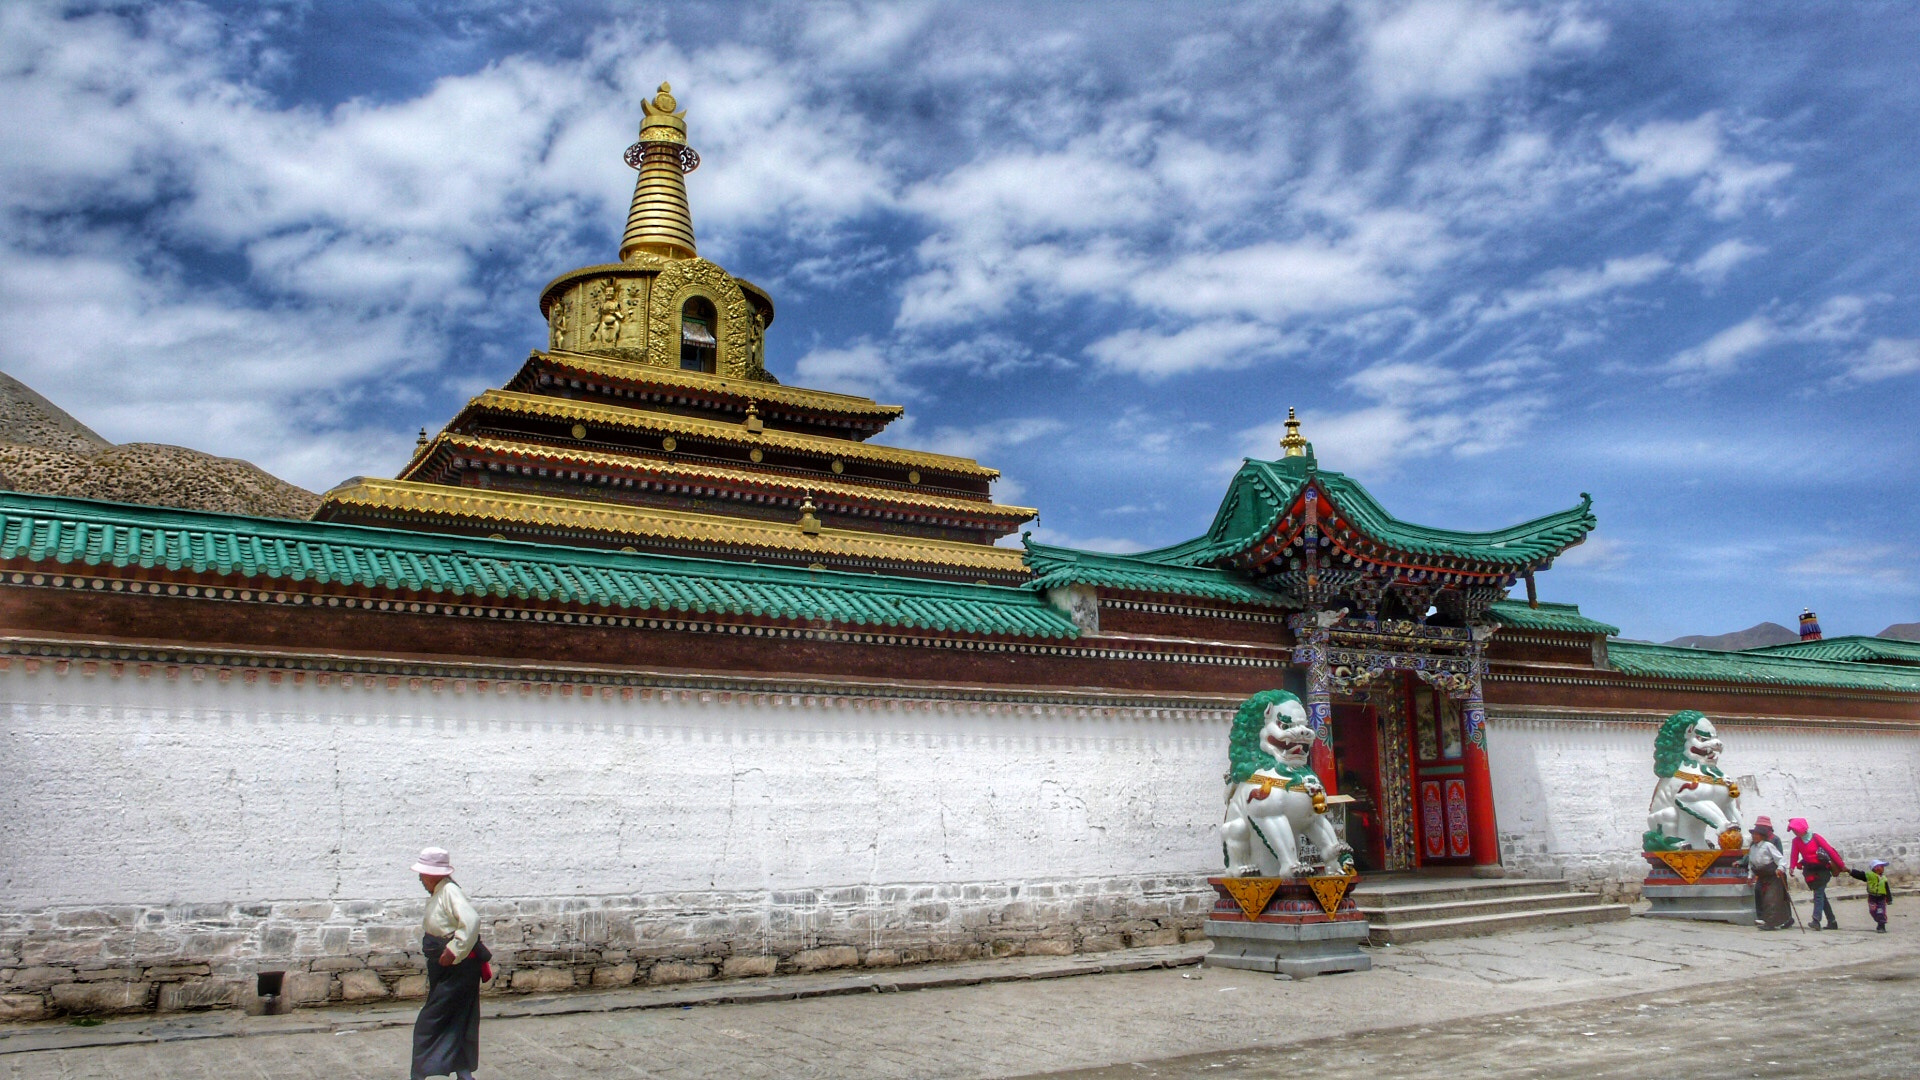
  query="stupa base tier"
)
[
  {"x": 1707, "y": 891},
  {"x": 1296, "y": 950}
]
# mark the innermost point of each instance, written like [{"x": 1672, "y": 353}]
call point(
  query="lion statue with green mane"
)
[
  {"x": 1695, "y": 807},
  {"x": 1274, "y": 800}
]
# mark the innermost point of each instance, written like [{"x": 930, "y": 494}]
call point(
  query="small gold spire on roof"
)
[
  {"x": 422, "y": 440},
  {"x": 1295, "y": 444},
  {"x": 809, "y": 524},
  {"x": 659, "y": 223},
  {"x": 755, "y": 425}
]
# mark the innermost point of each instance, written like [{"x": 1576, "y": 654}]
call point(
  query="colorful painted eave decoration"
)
[
  {"x": 720, "y": 388},
  {"x": 1266, "y": 510},
  {"x": 39, "y": 531}
]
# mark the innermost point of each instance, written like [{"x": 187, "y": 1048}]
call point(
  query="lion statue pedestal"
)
[
  {"x": 1693, "y": 837},
  {"x": 1289, "y": 926},
  {"x": 1285, "y": 907}
]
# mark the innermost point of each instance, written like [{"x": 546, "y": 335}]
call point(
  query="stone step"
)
[
  {"x": 1409, "y": 894},
  {"x": 1460, "y": 909},
  {"x": 1477, "y": 925}
]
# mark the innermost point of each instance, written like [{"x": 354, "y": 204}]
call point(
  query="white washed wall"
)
[
  {"x": 140, "y": 790},
  {"x": 1571, "y": 795}
]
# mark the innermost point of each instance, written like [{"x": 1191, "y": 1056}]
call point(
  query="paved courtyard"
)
[{"x": 1588, "y": 1002}]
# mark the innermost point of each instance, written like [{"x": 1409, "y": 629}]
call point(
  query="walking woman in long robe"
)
[
  {"x": 446, "y": 1037},
  {"x": 1772, "y": 910}
]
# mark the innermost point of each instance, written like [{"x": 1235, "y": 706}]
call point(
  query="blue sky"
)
[{"x": 1497, "y": 255}]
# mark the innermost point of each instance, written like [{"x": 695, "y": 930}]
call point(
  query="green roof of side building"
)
[
  {"x": 1263, "y": 491},
  {"x": 1677, "y": 662},
  {"x": 1853, "y": 647},
  {"x": 1054, "y": 567},
  {"x": 83, "y": 533},
  {"x": 1565, "y": 618}
]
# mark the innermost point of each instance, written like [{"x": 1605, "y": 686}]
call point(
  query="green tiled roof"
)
[
  {"x": 1868, "y": 649},
  {"x": 1563, "y": 617},
  {"x": 1057, "y": 566},
  {"x": 44, "y": 529},
  {"x": 1674, "y": 662},
  {"x": 1263, "y": 491}
]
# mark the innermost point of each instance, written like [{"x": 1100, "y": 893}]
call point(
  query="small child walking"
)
[{"x": 1878, "y": 892}]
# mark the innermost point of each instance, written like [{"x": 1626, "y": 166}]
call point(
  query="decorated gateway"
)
[{"x": 698, "y": 682}]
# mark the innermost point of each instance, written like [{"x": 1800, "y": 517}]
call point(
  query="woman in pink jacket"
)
[{"x": 1817, "y": 859}]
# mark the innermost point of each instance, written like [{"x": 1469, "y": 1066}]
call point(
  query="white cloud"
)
[
  {"x": 1451, "y": 49},
  {"x": 1714, "y": 264},
  {"x": 1567, "y": 285},
  {"x": 1117, "y": 544},
  {"x": 1209, "y": 346},
  {"x": 862, "y": 368},
  {"x": 1853, "y": 566},
  {"x": 1886, "y": 358},
  {"x": 1838, "y": 319},
  {"x": 1661, "y": 152}
]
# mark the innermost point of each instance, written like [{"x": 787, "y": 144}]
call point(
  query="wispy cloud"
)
[{"x": 1662, "y": 152}]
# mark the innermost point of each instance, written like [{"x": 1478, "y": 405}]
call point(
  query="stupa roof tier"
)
[
  {"x": 549, "y": 519},
  {"x": 820, "y": 451},
  {"x": 454, "y": 453},
  {"x": 648, "y": 385}
]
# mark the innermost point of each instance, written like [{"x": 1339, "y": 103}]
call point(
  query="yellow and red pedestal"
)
[
  {"x": 1703, "y": 885},
  {"x": 1289, "y": 926}
]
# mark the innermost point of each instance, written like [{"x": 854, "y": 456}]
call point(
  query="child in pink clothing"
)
[{"x": 1817, "y": 859}]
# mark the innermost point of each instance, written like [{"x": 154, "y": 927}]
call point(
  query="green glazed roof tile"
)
[
  {"x": 1856, "y": 648},
  {"x": 1054, "y": 567},
  {"x": 1562, "y": 617},
  {"x": 45, "y": 529},
  {"x": 1675, "y": 662},
  {"x": 1263, "y": 491}
]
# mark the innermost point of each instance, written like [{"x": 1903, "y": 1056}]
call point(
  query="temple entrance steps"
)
[{"x": 1404, "y": 908}]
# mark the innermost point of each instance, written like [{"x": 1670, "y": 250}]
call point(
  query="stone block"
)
[
  {"x": 100, "y": 997},
  {"x": 615, "y": 974},
  {"x": 1048, "y": 947},
  {"x": 307, "y": 911},
  {"x": 117, "y": 973},
  {"x": 410, "y": 986},
  {"x": 361, "y": 985},
  {"x": 15, "y": 1007},
  {"x": 671, "y": 971},
  {"x": 96, "y": 917},
  {"x": 393, "y": 938},
  {"x": 165, "y": 972},
  {"x": 309, "y": 987},
  {"x": 39, "y": 978},
  {"x": 338, "y": 963},
  {"x": 199, "y": 994},
  {"x": 1141, "y": 939},
  {"x": 1102, "y": 943},
  {"x": 832, "y": 956},
  {"x": 749, "y": 967},
  {"x": 537, "y": 980},
  {"x": 1004, "y": 947},
  {"x": 880, "y": 958},
  {"x": 278, "y": 940}
]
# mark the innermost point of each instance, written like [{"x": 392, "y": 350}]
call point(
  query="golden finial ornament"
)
[
  {"x": 809, "y": 524},
  {"x": 659, "y": 223},
  {"x": 422, "y": 440},
  {"x": 755, "y": 425},
  {"x": 1295, "y": 444}
]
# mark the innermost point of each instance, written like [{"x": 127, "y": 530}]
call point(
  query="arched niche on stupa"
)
[{"x": 634, "y": 313}]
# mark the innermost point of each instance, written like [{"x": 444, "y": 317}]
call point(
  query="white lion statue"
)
[
  {"x": 1274, "y": 800},
  {"x": 1694, "y": 804}
]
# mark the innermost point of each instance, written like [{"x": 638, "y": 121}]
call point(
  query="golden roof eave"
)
[
  {"x": 820, "y": 489},
  {"x": 553, "y": 408},
  {"x": 799, "y": 397},
  {"x": 618, "y": 520}
]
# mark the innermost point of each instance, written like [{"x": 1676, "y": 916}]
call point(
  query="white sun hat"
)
[{"x": 434, "y": 862}]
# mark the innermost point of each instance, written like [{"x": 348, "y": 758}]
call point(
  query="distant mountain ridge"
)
[
  {"x": 1772, "y": 633},
  {"x": 1753, "y": 637}
]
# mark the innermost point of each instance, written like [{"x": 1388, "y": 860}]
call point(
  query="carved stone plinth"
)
[
  {"x": 1701, "y": 885},
  {"x": 1290, "y": 927}
]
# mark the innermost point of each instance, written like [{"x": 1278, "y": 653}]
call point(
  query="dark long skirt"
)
[
  {"x": 446, "y": 1037},
  {"x": 1771, "y": 907}
]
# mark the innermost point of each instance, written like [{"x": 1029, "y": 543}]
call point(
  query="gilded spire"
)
[
  {"x": 659, "y": 223},
  {"x": 1294, "y": 444}
]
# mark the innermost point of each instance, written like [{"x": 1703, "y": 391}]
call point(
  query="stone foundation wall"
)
[
  {"x": 130, "y": 958},
  {"x": 1570, "y": 796}
]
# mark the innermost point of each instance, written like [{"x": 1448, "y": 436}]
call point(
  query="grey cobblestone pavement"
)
[{"x": 1499, "y": 1002}]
